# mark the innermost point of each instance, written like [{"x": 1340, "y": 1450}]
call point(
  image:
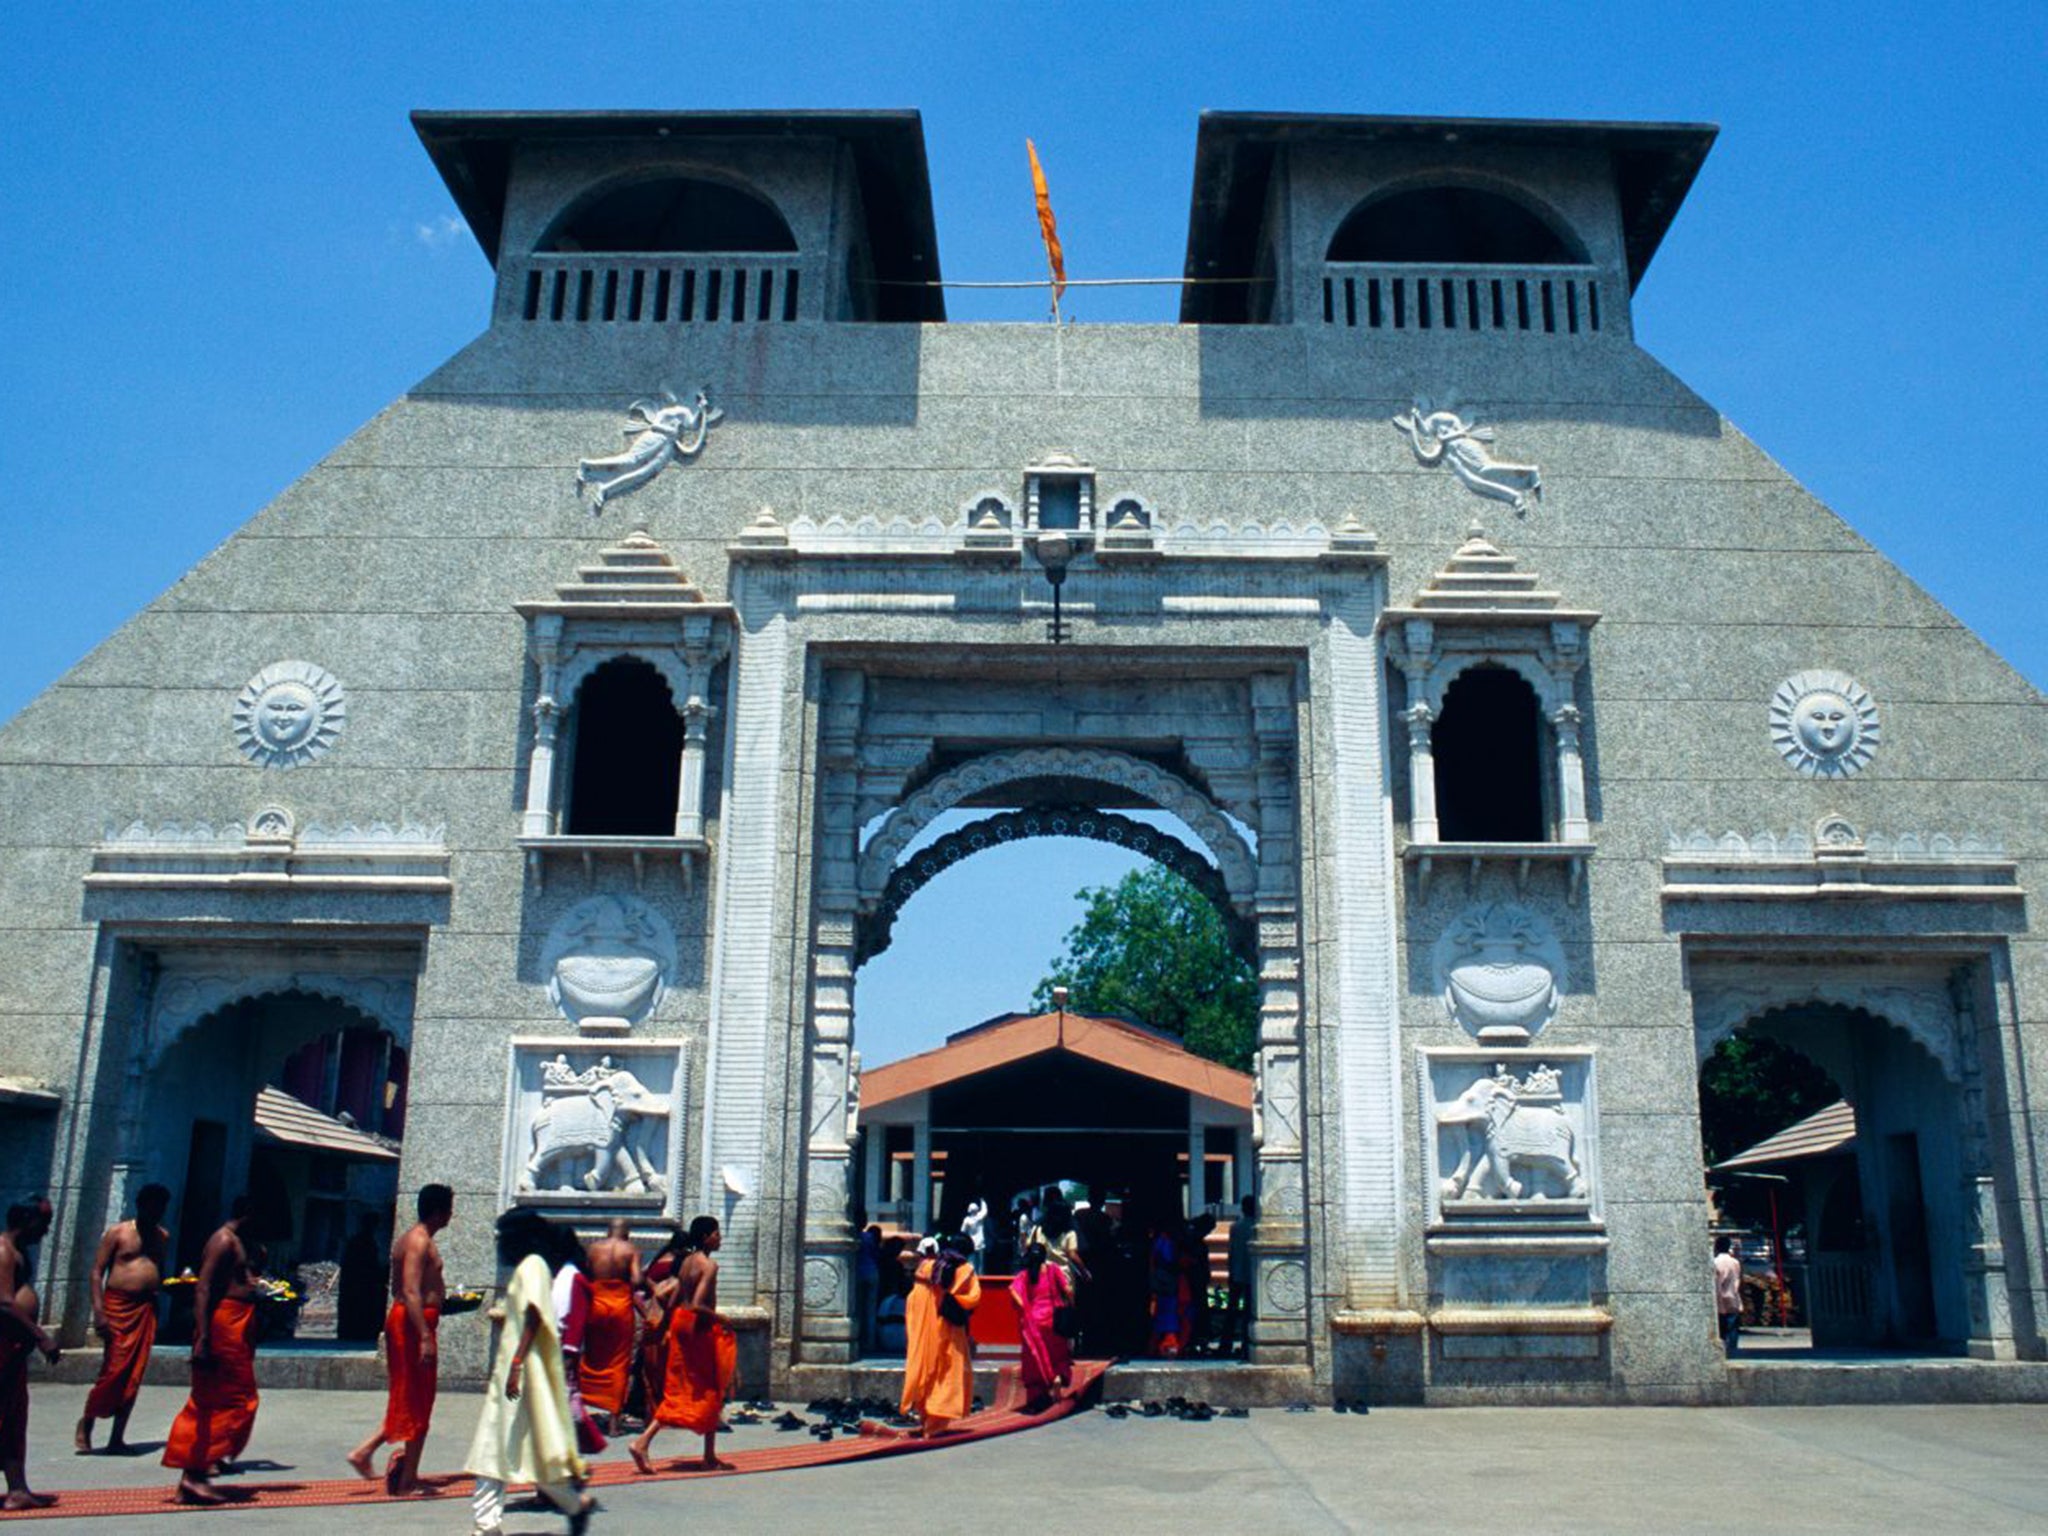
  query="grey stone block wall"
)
[{"x": 395, "y": 564}]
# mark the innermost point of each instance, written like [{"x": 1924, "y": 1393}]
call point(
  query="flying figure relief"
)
[
  {"x": 1445, "y": 437},
  {"x": 661, "y": 432}
]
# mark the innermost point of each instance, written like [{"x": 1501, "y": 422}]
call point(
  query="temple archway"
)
[
  {"x": 1240, "y": 861},
  {"x": 296, "y": 1099},
  {"x": 1866, "y": 1181}
]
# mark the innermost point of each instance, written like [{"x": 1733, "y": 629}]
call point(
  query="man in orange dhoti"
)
[
  {"x": 126, "y": 1274},
  {"x": 607, "y": 1365},
  {"x": 215, "y": 1424},
  {"x": 412, "y": 1358},
  {"x": 938, "y": 1368},
  {"x": 21, "y": 1334},
  {"x": 702, "y": 1352}
]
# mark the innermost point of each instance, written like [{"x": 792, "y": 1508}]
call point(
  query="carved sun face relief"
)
[
  {"x": 289, "y": 714},
  {"x": 1824, "y": 724}
]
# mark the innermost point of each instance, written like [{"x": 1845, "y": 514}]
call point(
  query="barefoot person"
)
[
  {"x": 701, "y": 1349},
  {"x": 525, "y": 1434},
  {"x": 411, "y": 1344},
  {"x": 607, "y": 1364},
  {"x": 127, "y": 1272},
  {"x": 215, "y": 1424},
  {"x": 938, "y": 1370},
  {"x": 21, "y": 1335}
]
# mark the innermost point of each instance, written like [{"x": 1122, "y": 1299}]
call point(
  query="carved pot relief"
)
[
  {"x": 609, "y": 959},
  {"x": 594, "y": 1126},
  {"x": 1499, "y": 970},
  {"x": 1509, "y": 1132}
]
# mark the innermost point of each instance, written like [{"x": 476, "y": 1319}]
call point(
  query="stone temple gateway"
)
[{"x": 537, "y": 773}]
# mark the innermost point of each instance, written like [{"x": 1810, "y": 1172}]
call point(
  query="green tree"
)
[
  {"x": 1153, "y": 948},
  {"x": 1753, "y": 1087}
]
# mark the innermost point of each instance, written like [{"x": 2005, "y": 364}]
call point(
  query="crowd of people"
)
[
  {"x": 1131, "y": 1287},
  {"x": 589, "y": 1337}
]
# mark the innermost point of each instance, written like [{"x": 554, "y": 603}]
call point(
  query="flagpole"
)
[{"x": 1048, "y": 229}]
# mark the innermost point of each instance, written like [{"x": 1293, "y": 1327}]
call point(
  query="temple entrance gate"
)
[{"x": 870, "y": 696}]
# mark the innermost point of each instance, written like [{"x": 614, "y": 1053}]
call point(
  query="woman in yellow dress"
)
[{"x": 526, "y": 1434}]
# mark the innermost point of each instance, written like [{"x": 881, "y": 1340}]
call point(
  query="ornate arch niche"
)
[
  {"x": 634, "y": 603},
  {"x": 1481, "y": 611},
  {"x": 855, "y": 887}
]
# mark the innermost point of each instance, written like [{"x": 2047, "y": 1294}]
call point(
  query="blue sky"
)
[{"x": 221, "y": 249}]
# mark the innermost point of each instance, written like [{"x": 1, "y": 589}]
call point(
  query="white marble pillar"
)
[
  {"x": 1573, "y": 823},
  {"x": 690, "y": 783},
  {"x": 546, "y": 643}
]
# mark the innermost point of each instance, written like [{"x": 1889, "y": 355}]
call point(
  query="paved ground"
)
[{"x": 1446, "y": 1471}]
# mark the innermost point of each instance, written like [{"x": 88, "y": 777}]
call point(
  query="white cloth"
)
[
  {"x": 487, "y": 1504},
  {"x": 530, "y": 1439}
]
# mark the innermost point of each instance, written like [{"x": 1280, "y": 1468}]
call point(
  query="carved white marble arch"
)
[
  {"x": 1099, "y": 765},
  {"x": 1926, "y": 1013},
  {"x": 185, "y": 999},
  {"x": 582, "y": 661},
  {"x": 1260, "y": 884}
]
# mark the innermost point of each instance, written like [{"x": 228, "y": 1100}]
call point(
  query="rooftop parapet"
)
[
  {"x": 695, "y": 218},
  {"x": 1444, "y": 225}
]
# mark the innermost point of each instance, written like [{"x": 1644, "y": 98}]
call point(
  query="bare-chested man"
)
[
  {"x": 21, "y": 1334},
  {"x": 701, "y": 1348},
  {"x": 218, "y": 1417},
  {"x": 606, "y": 1370},
  {"x": 127, "y": 1272},
  {"x": 411, "y": 1345}
]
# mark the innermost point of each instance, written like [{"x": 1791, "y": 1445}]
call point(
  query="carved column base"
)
[
  {"x": 826, "y": 1334},
  {"x": 1279, "y": 1301}
]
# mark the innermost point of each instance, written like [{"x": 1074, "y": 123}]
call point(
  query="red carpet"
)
[{"x": 792, "y": 1450}]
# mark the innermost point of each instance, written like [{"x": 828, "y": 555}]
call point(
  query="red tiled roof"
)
[{"x": 1110, "y": 1042}]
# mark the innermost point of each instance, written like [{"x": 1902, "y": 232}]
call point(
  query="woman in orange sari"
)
[{"x": 938, "y": 1371}]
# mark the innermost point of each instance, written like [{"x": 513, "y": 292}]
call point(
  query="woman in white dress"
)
[{"x": 526, "y": 1434}]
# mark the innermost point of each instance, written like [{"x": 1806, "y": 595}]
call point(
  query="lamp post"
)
[{"x": 1055, "y": 552}]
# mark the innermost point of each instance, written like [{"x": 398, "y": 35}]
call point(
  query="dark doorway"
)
[
  {"x": 199, "y": 1211},
  {"x": 627, "y": 766},
  {"x": 1912, "y": 1269},
  {"x": 1489, "y": 763}
]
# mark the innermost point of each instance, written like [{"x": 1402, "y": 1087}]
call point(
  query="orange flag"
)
[{"x": 1047, "y": 226}]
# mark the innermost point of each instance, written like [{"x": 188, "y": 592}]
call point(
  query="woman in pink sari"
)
[{"x": 1040, "y": 1290}]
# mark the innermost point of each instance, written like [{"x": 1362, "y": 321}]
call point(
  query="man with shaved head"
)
[{"x": 21, "y": 1334}]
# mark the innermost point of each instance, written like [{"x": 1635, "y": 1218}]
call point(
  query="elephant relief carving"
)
[
  {"x": 1518, "y": 1142},
  {"x": 604, "y": 1116}
]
